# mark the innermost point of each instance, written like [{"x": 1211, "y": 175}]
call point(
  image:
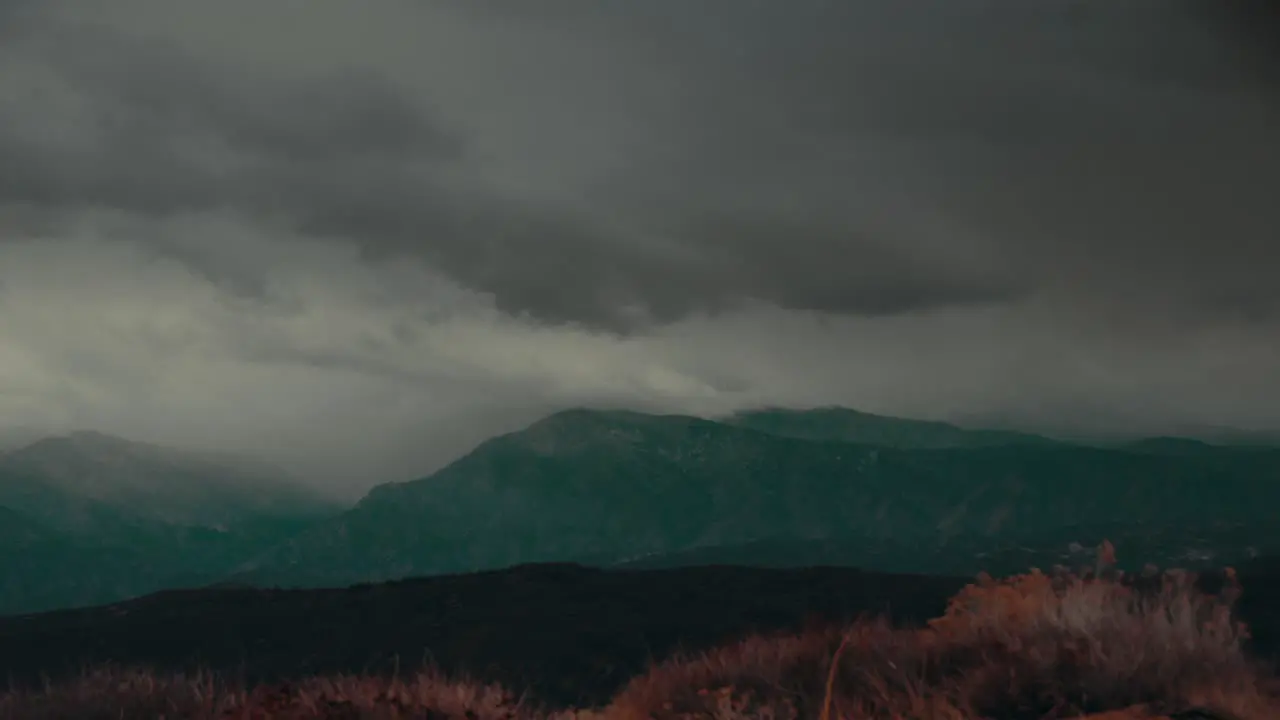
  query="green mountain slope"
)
[
  {"x": 608, "y": 486},
  {"x": 18, "y": 530},
  {"x": 13, "y": 437},
  {"x": 90, "y": 519}
]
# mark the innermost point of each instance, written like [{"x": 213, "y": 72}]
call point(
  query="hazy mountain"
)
[
  {"x": 13, "y": 437},
  {"x": 1171, "y": 446},
  {"x": 611, "y": 486},
  {"x": 18, "y": 530},
  {"x": 1228, "y": 436},
  {"x": 844, "y": 424},
  {"x": 1108, "y": 428},
  {"x": 89, "y": 518},
  {"x": 43, "y": 568},
  {"x": 161, "y": 483},
  {"x": 783, "y": 488},
  {"x": 61, "y": 510}
]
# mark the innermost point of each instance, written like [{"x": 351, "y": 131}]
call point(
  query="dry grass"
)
[
  {"x": 1058, "y": 645},
  {"x": 1032, "y": 646},
  {"x": 114, "y": 693}
]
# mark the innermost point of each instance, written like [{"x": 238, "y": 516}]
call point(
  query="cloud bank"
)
[{"x": 360, "y": 239}]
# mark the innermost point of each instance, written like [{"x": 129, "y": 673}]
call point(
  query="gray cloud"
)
[
  {"x": 412, "y": 224},
  {"x": 1072, "y": 147},
  {"x": 749, "y": 129},
  {"x": 140, "y": 126}
]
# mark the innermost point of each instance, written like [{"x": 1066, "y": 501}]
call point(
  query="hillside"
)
[
  {"x": 628, "y": 489},
  {"x": 613, "y": 486},
  {"x": 88, "y": 519},
  {"x": 13, "y": 437},
  {"x": 18, "y": 530},
  {"x": 160, "y": 483},
  {"x": 564, "y": 635},
  {"x": 585, "y": 629}
]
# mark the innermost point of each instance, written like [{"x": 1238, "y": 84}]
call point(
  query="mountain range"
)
[
  {"x": 616, "y": 488},
  {"x": 89, "y": 518}
]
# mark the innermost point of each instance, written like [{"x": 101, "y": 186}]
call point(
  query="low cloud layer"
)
[{"x": 359, "y": 239}]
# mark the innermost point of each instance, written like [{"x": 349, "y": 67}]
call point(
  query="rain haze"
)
[{"x": 358, "y": 238}]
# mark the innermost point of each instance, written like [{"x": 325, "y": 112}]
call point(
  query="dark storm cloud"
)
[
  {"x": 856, "y": 158},
  {"x": 1253, "y": 26},
  {"x": 342, "y": 154},
  {"x": 360, "y": 237},
  {"x": 1121, "y": 156},
  {"x": 1119, "y": 152},
  {"x": 163, "y": 133},
  {"x": 351, "y": 154}
]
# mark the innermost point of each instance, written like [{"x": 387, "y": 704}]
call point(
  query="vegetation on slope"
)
[
  {"x": 1030, "y": 646},
  {"x": 121, "y": 519},
  {"x": 615, "y": 487},
  {"x": 608, "y": 487}
]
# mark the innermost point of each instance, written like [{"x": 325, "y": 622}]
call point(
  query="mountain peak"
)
[
  {"x": 1170, "y": 444},
  {"x": 95, "y": 436},
  {"x": 166, "y": 483},
  {"x": 85, "y": 444},
  {"x": 848, "y": 425},
  {"x": 816, "y": 411},
  {"x": 15, "y": 437},
  {"x": 580, "y": 427},
  {"x": 580, "y": 416},
  {"x": 93, "y": 439}
]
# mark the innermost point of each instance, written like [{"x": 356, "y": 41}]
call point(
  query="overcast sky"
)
[{"x": 361, "y": 236}]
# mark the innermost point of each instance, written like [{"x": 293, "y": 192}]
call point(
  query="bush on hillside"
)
[{"x": 1037, "y": 645}]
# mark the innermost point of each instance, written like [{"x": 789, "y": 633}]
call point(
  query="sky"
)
[{"x": 357, "y": 238}]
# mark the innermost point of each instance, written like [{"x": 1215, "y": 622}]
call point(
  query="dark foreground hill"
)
[
  {"x": 573, "y": 634},
  {"x": 570, "y": 634}
]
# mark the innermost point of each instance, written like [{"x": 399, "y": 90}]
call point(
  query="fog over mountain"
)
[{"x": 356, "y": 239}]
